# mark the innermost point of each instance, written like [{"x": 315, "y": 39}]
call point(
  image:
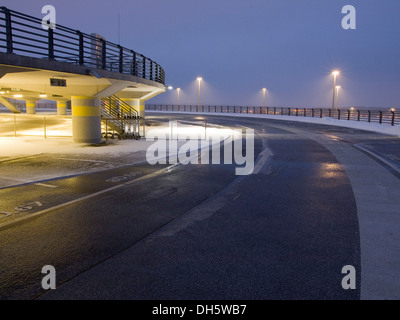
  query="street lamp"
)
[
  {"x": 337, "y": 97},
  {"x": 179, "y": 92},
  {"x": 199, "y": 79},
  {"x": 335, "y": 74},
  {"x": 264, "y": 96}
]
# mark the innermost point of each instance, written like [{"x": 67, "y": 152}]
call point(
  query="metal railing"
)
[
  {"x": 24, "y": 35},
  {"x": 35, "y": 125},
  {"x": 120, "y": 119},
  {"x": 372, "y": 116}
]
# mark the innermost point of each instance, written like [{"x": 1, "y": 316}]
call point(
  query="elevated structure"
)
[{"x": 63, "y": 64}]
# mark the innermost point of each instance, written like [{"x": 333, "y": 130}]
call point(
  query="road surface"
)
[{"x": 321, "y": 198}]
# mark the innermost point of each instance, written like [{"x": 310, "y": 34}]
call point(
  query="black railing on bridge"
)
[
  {"x": 372, "y": 116},
  {"x": 24, "y": 35}
]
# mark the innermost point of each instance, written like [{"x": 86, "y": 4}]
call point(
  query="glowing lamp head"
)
[
  {"x": 169, "y": 87},
  {"x": 199, "y": 79},
  {"x": 335, "y": 73}
]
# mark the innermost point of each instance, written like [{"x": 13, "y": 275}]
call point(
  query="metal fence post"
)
[
  {"x": 121, "y": 59},
  {"x": 393, "y": 117},
  {"x": 51, "y": 43},
  {"x": 380, "y": 117},
  {"x": 369, "y": 116},
  {"x": 103, "y": 54},
  {"x": 144, "y": 68},
  {"x": 8, "y": 30},
  {"x": 81, "y": 48},
  {"x": 134, "y": 63}
]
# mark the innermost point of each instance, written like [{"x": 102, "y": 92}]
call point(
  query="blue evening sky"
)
[{"x": 240, "y": 46}]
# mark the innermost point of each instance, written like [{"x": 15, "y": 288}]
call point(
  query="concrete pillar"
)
[
  {"x": 86, "y": 119},
  {"x": 30, "y": 106},
  {"x": 137, "y": 104},
  {"x": 61, "y": 108},
  {"x": 141, "y": 108}
]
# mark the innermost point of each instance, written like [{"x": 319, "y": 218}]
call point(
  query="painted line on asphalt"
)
[
  {"x": 36, "y": 214},
  {"x": 46, "y": 185},
  {"x": 378, "y": 157},
  {"x": 262, "y": 159},
  {"x": 26, "y": 182}
]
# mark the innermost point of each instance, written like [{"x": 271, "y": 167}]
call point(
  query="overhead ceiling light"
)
[
  {"x": 18, "y": 95},
  {"x": 43, "y": 95}
]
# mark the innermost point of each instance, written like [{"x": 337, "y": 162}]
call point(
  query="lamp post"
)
[
  {"x": 179, "y": 92},
  {"x": 337, "y": 97},
  {"x": 199, "y": 79},
  {"x": 335, "y": 74},
  {"x": 264, "y": 96}
]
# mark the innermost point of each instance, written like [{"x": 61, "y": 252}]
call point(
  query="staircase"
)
[{"x": 119, "y": 119}]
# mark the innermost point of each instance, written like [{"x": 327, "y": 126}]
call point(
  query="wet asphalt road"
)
[{"x": 200, "y": 232}]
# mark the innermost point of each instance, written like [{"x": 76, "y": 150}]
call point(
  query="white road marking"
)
[
  {"x": 262, "y": 159},
  {"x": 28, "y": 181},
  {"x": 150, "y": 175},
  {"x": 85, "y": 160},
  {"x": 378, "y": 157},
  {"x": 46, "y": 185}
]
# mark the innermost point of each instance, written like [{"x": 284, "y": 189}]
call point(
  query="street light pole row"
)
[
  {"x": 335, "y": 89},
  {"x": 264, "y": 90}
]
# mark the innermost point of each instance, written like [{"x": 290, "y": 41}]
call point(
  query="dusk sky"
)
[{"x": 240, "y": 46}]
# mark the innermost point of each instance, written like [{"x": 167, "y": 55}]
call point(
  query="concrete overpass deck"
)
[{"x": 62, "y": 64}]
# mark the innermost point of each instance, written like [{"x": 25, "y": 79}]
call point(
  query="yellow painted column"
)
[
  {"x": 61, "y": 108},
  {"x": 141, "y": 108},
  {"x": 137, "y": 104},
  {"x": 30, "y": 106},
  {"x": 86, "y": 119}
]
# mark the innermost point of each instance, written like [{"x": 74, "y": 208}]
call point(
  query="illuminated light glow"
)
[
  {"x": 2, "y": 92},
  {"x": 335, "y": 73},
  {"x": 18, "y": 96},
  {"x": 42, "y": 95},
  {"x": 170, "y": 87},
  {"x": 199, "y": 78}
]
